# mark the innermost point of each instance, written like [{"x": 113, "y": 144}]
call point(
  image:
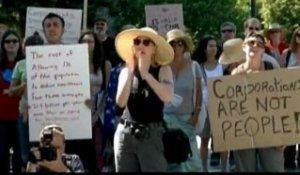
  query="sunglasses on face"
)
[
  {"x": 253, "y": 28},
  {"x": 146, "y": 42},
  {"x": 227, "y": 30},
  {"x": 256, "y": 43},
  {"x": 10, "y": 41},
  {"x": 298, "y": 35},
  {"x": 176, "y": 44},
  {"x": 274, "y": 31}
]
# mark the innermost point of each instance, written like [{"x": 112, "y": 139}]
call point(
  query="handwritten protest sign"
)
[
  {"x": 72, "y": 18},
  {"x": 57, "y": 86},
  {"x": 163, "y": 18},
  {"x": 255, "y": 110}
]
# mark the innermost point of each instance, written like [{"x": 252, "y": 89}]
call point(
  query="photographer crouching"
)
[{"x": 50, "y": 156}]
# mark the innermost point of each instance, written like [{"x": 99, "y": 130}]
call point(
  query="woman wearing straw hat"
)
[
  {"x": 271, "y": 158},
  {"x": 184, "y": 114},
  {"x": 232, "y": 55},
  {"x": 145, "y": 85}
]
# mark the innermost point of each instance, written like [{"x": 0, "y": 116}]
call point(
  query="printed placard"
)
[
  {"x": 255, "y": 110},
  {"x": 57, "y": 85},
  {"x": 72, "y": 18},
  {"x": 163, "y": 18}
]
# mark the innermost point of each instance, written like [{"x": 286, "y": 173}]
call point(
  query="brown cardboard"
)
[{"x": 260, "y": 109}]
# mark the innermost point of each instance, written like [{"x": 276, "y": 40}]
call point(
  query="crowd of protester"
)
[{"x": 148, "y": 82}]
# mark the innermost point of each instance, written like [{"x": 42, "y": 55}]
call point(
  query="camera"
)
[{"x": 46, "y": 150}]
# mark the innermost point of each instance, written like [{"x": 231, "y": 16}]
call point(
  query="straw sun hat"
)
[
  {"x": 124, "y": 43},
  {"x": 177, "y": 34},
  {"x": 232, "y": 51}
]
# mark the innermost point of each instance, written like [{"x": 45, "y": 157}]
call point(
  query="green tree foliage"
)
[
  {"x": 284, "y": 12},
  {"x": 200, "y": 16}
]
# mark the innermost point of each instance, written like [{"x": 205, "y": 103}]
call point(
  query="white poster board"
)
[
  {"x": 72, "y": 18},
  {"x": 163, "y": 18},
  {"x": 58, "y": 84}
]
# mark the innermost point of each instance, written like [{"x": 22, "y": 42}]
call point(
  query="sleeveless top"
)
[
  {"x": 216, "y": 72},
  {"x": 143, "y": 104}
]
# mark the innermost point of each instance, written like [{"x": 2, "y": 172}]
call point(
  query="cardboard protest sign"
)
[
  {"x": 163, "y": 18},
  {"x": 57, "y": 85},
  {"x": 72, "y": 18},
  {"x": 255, "y": 110}
]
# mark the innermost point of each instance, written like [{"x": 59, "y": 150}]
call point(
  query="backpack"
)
[
  {"x": 177, "y": 146},
  {"x": 288, "y": 55},
  {"x": 112, "y": 111},
  {"x": 268, "y": 65}
]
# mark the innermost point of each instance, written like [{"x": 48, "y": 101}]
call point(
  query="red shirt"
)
[
  {"x": 281, "y": 47},
  {"x": 9, "y": 106}
]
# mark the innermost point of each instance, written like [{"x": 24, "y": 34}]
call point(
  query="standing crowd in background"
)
[{"x": 142, "y": 84}]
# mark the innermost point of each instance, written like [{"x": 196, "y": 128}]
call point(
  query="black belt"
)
[{"x": 133, "y": 124}]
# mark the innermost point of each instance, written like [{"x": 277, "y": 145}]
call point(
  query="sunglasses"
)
[
  {"x": 274, "y": 31},
  {"x": 253, "y": 28},
  {"x": 257, "y": 43},
  {"x": 146, "y": 42},
  {"x": 227, "y": 30},
  {"x": 10, "y": 41},
  {"x": 176, "y": 43},
  {"x": 298, "y": 35}
]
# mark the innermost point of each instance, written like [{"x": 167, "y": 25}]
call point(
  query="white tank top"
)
[{"x": 216, "y": 72}]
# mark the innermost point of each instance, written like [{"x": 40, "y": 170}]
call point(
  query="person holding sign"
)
[
  {"x": 53, "y": 28},
  {"x": 187, "y": 87},
  {"x": 9, "y": 113},
  {"x": 271, "y": 159},
  {"x": 145, "y": 85}
]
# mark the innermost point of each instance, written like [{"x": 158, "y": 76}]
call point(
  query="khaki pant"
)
[{"x": 133, "y": 155}]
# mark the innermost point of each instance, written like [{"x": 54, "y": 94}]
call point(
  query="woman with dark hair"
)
[
  {"x": 11, "y": 53},
  {"x": 91, "y": 151},
  {"x": 291, "y": 58},
  {"x": 207, "y": 56},
  {"x": 18, "y": 88}
]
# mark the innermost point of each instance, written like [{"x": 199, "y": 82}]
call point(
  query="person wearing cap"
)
[
  {"x": 18, "y": 87},
  {"x": 62, "y": 162},
  {"x": 145, "y": 85},
  {"x": 184, "y": 115},
  {"x": 108, "y": 42},
  {"x": 276, "y": 45},
  {"x": 270, "y": 158},
  {"x": 206, "y": 55}
]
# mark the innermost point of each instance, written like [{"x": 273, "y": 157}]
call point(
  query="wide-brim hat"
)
[
  {"x": 232, "y": 51},
  {"x": 177, "y": 34},
  {"x": 124, "y": 43}
]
